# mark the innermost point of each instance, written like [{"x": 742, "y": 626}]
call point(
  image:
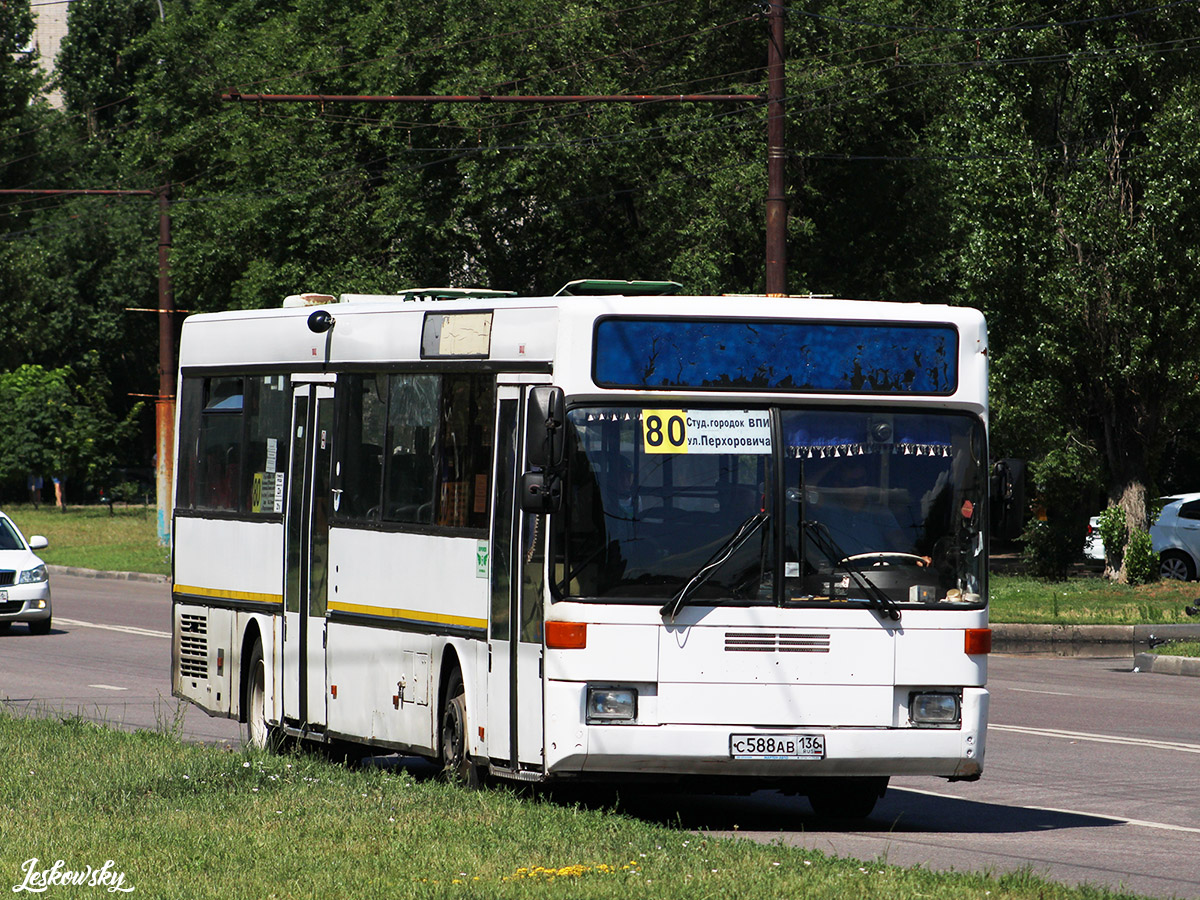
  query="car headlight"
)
[
  {"x": 611, "y": 704},
  {"x": 36, "y": 575},
  {"x": 934, "y": 708}
]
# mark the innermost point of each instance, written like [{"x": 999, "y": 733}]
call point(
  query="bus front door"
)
[
  {"x": 514, "y": 710},
  {"x": 307, "y": 553}
]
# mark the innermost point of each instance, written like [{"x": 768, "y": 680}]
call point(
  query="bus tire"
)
[
  {"x": 259, "y": 733},
  {"x": 846, "y": 798},
  {"x": 456, "y": 762}
]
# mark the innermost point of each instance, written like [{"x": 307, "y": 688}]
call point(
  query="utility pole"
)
[
  {"x": 164, "y": 400},
  {"x": 776, "y": 157}
]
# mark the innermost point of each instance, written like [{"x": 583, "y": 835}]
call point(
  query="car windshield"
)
[
  {"x": 9, "y": 539},
  {"x": 753, "y": 506}
]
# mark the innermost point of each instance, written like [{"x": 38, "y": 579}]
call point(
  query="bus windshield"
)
[{"x": 782, "y": 507}]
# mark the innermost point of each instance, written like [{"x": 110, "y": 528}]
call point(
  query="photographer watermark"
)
[{"x": 58, "y": 875}]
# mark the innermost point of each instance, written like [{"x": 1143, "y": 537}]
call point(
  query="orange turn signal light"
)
[
  {"x": 566, "y": 635},
  {"x": 978, "y": 640}
]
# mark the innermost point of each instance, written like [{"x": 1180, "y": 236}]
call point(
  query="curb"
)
[
  {"x": 98, "y": 573},
  {"x": 1010, "y": 637},
  {"x": 1122, "y": 640},
  {"x": 1166, "y": 665}
]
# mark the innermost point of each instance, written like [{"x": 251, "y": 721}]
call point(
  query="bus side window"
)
[
  {"x": 464, "y": 446},
  {"x": 191, "y": 398},
  {"x": 410, "y": 449},
  {"x": 219, "y": 448},
  {"x": 364, "y": 415},
  {"x": 268, "y": 418}
]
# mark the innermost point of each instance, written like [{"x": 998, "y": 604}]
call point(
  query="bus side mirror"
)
[
  {"x": 541, "y": 493},
  {"x": 545, "y": 429}
]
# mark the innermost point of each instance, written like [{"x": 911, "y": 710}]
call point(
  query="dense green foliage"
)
[{"x": 1035, "y": 160}]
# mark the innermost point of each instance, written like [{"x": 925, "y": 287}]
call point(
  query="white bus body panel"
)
[
  {"x": 225, "y": 562},
  {"x": 386, "y": 677}
]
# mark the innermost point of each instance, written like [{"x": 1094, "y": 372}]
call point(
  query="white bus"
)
[{"x": 614, "y": 533}]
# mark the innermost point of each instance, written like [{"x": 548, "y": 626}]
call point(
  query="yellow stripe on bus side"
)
[
  {"x": 219, "y": 594},
  {"x": 415, "y": 615}
]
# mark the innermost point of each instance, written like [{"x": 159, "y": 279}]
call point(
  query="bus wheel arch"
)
[
  {"x": 260, "y": 733},
  {"x": 251, "y": 637},
  {"x": 453, "y": 725}
]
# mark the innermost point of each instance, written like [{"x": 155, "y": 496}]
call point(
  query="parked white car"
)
[
  {"x": 24, "y": 582},
  {"x": 1176, "y": 537},
  {"x": 1093, "y": 544}
]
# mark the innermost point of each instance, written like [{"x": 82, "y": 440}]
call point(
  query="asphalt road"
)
[{"x": 1092, "y": 771}]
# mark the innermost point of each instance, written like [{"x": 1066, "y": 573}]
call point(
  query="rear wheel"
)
[
  {"x": 846, "y": 798},
  {"x": 259, "y": 733},
  {"x": 456, "y": 763},
  {"x": 1176, "y": 566}
]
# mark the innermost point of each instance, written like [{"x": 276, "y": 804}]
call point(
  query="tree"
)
[
  {"x": 58, "y": 425},
  {"x": 1071, "y": 212}
]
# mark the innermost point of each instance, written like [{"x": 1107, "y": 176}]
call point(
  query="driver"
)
[{"x": 844, "y": 506}]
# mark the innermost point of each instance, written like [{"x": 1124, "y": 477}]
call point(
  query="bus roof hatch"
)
[{"x": 585, "y": 286}]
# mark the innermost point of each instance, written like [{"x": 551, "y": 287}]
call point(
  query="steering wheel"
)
[{"x": 886, "y": 557}]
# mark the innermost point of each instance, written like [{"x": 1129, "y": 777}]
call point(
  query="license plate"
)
[
  {"x": 3, "y": 596},
  {"x": 777, "y": 746}
]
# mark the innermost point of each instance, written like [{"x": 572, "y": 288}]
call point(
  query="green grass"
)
[
  {"x": 1088, "y": 601},
  {"x": 1178, "y": 648},
  {"x": 186, "y": 821},
  {"x": 92, "y": 537}
]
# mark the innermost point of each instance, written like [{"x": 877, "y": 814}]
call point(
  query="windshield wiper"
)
[
  {"x": 876, "y": 598},
  {"x": 718, "y": 559}
]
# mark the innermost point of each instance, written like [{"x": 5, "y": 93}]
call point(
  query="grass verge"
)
[
  {"x": 1089, "y": 601},
  {"x": 182, "y": 820},
  {"x": 1178, "y": 648},
  {"x": 124, "y": 539}
]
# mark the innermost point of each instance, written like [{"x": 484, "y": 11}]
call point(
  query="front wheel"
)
[
  {"x": 1175, "y": 566},
  {"x": 456, "y": 762}
]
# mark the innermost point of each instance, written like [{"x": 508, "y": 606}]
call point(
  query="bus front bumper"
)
[{"x": 575, "y": 747}]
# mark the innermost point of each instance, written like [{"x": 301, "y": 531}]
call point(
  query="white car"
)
[
  {"x": 1176, "y": 537},
  {"x": 1093, "y": 544},
  {"x": 24, "y": 582}
]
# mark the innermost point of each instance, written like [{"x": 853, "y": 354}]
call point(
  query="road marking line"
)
[
  {"x": 107, "y": 687},
  {"x": 1121, "y": 820},
  {"x": 1051, "y": 693},
  {"x": 1100, "y": 738},
  {"x": 125, "y": 629}
]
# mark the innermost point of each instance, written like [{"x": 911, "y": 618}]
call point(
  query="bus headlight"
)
[
  {"x": 611, "y": 704},
  {"x": 934, "y": 708}
]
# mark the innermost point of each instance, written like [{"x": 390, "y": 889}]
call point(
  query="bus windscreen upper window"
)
[{"x": 799, "y": 356}]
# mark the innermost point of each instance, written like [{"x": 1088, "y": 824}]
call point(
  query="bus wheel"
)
[
  {"x": 456, "y": 763},
  {"x": 846, "y": 798},
  {"x": 259, "y": 734}
]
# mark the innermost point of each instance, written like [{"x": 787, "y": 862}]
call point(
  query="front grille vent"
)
[
  {"x": 7, "y": 578},
  {"x": 12, "y": 606},
  {"x": 193, "y": 646},
  {"x": 776, "y": 642}
]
